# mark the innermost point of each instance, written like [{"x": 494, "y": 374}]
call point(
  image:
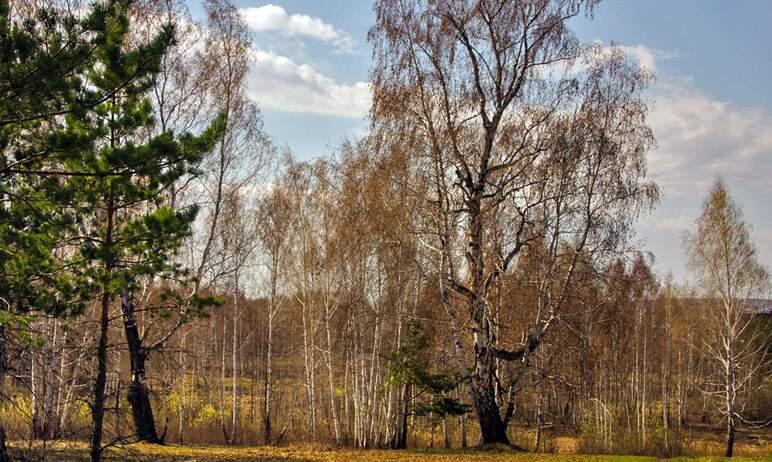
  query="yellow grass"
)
[{"x": 307, "y": 453}]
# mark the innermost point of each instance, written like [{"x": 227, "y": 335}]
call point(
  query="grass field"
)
[{"x": 169, "y": 453}]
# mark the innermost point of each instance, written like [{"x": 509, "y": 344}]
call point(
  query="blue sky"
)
[{"x": 711, "y": 104}]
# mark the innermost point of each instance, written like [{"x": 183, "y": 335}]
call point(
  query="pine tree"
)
[
  {"x": 78, "y": 168},
  {"x": 41, "y": 80},
  {"x": 118, "y": 190}
]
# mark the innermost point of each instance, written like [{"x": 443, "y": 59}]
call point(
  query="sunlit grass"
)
[{"x": 310, "y": 453}]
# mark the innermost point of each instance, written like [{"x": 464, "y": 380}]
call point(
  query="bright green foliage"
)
[
  {"x": 41, "y": 79},
  {"x": 73, "y": 114},
  {"x": 118, "y": 185},
  {"x": 409, "y": 365}
]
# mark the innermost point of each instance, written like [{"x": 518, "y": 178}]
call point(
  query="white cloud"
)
[
  {"x": 699, "y": 137},
  {"x": 273, "y": 18},
  {"x": 280, "y": 83},
  {"x": 647, "y": 57}
]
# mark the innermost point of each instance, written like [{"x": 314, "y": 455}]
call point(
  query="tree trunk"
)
[
  {"x": 539, "y": 419},
  {"x": 731, "y": 391},
  {"x": 98, "y": 408},
  {"x": 234, "y": 371},
  {"x": 445, "y": 434},
  {"x": 729, "y": 438},
  {"x": 402, "y": 441},
  {"x": 268, "y": 380},
  {"x": 309, "y": 368},
  {"x": 461, "y": 422},
  {"x": 330, "y": 375},
  {"x": 492, "y": 428},
  {"x": 3, "y": 451},
  {"x": 138, "y": 394}
]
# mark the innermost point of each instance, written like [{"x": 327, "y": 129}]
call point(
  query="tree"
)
[
  {"x": 45, "y": 54},
  {"x": 511, "y": 134},
  {"x": 409, "y": 365},
  {"x": 725, "y": 261},
  {"x": 116, "y": 190},
  {"x": 275, "y": 219}
]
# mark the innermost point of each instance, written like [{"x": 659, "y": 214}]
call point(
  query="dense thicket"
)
[{"x": 466, "y": 273}]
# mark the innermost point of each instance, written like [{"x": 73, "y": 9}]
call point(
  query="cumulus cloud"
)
[
  {"x": 274, "y": 18},
  {"x": 647, "y": 57},
  {"x": 280, "y": 83},
  {"x": 699, "y": 137}
]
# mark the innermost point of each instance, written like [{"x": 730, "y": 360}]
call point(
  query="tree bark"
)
[
  {"x": 3, "y": 450},
  {"x": 462, "y": 422},
  {"x": 138, "y": 394},
  {"x": 730, "y": 395},
  {"x": 234, "y": 369},
  {"x": 729, "y": 439},
  {"x": 98, "y": 408},
  {"x": 268, "y": 379},
  {"x": 493, "y": 429}
]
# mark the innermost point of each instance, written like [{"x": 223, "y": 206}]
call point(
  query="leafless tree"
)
[
  {"x": 724, "y": 258},
  {"x": 516, "y": 125}
]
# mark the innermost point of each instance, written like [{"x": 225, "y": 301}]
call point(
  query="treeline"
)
[{"x": 466, "y": 273}]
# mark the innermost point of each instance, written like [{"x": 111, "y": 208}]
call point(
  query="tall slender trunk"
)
[
  {"x": 730, "y": 396},
  {"x": 666, "y": 379},
  {"x": 461, "y": 420},
  {"x": 98, "y": 407},
  {"x": 234, "y": 371},
  {"x": 445, "y": 433},
  {"x": 539, "y": 417},
  {"x": 308, "y": 363},
  {"x": 644, "y": 403},
  {"x": 223, "y": 368},
  {"x": 181, "y": 400},
  {"x": 330, "y": 376},
  {"x": 268, "y": 378},
  {"x": 401, "y": 437},
  {"x": 3, "y": 450},
  {"x": 138, "y": 394}
]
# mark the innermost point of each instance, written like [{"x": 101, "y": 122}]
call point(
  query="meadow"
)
[{"x": 320, "y": 453}]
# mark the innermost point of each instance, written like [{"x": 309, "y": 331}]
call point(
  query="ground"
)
[{"x": 169, "y": 453}]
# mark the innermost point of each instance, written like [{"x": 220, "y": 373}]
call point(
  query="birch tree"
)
[
  {"x": 274, "y": 231},
  {"x": 724, "y": 258},
  {"x": 515, "y": 123}
]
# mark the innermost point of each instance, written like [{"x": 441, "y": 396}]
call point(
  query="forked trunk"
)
[
  {"x": 139, "y": 395},
  {"x": 493, "y": 429}
]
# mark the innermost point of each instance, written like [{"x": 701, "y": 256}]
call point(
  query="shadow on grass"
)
[{"x": 130, "y": 455}]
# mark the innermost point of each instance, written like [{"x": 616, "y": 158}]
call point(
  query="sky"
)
[{"x": 711, "y": 103}]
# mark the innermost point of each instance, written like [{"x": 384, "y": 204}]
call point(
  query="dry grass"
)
[{"x": 306, "y": 453}]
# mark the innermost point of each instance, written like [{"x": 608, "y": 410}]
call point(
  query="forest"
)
[{"x": 465, "y": 276}]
